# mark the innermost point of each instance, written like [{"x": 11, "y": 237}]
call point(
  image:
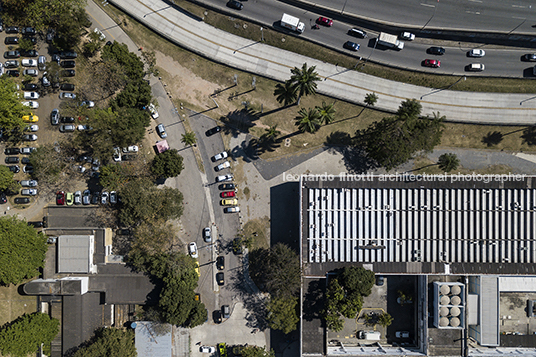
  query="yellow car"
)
[
  {"x": 229, "y": 202},
  {"x": 30, "y": 118},
  {"x": 197, "y": 268}
]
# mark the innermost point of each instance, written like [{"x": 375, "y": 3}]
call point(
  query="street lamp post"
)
[
  {"x": 442, "y": 89},
  {"x": 262, "y": 35}
]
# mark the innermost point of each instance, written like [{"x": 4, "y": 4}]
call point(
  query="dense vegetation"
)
[{"x": 109, "y": 342}]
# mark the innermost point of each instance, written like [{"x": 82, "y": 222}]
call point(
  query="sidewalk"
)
[{"x": 352, "y": 86}]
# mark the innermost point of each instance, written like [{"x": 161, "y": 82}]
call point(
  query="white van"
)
[
  {"x": 476, "y": 67},
  {"x": 370, "y": 335}
]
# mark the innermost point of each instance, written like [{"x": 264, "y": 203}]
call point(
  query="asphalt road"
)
[{"x": 499, "y": 62}]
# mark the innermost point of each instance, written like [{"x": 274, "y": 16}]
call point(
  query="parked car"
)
[
  {"x": 31, "y": 95},
  {"x": 67, "y": 87},
  {"x": 3, "y": 198},
  {"x": 161, "y": 131},
  {"x": 104, "y": 198},
  {"x": 28, "y": 31},
  {"x": 30, "y": 86},
  {"x": 207, "y": 349},
  {"x": 220, "y": 262},
  {"x": 12, "y": 29},
  {"x": 192, "y": 250},
  {"x": 408, "y": 36},
  {"x": 27, "y": 150},
  {"x": 380, "y": 280},
  {"x": 30, "y": 118},
  {"x": 216, "y": 315},
  {"x": 22, "y": 200},
  {"x": 68, "y": 55},
  {"x": 67, "y": 95},
  {"x": 55, "y": 117},
  {"x": 224, "y": 178},
  {"x": 11, "y": 54},
  {"x": 28, "y": 169},
  {"x": 33, "y": 128},
  {"x": 227, "y": 186},
  {"x": 31, "y": 104},
  {"x": 227, "y": 194},
  {"x": 476, "y": 53},
  {"x": 226, "y": 311},
  {"x": 25, "y": 160},
  {"x": 42, "y": 63},
  {"x": 11, "y": 64},
  {"x": 29, "y": 53},
  {"x": 86, "y": 197},
  {"x": 28, "y": 183},
  {"x": 95, "y": 198},
  {"x": 69, "y": 198},
  {"x": 45, "y": 81},
  {"x": 152, "y": 110},
  {"x": 113, "y": 197},
  {"x": 29, "y": 62},
  {"x": 87, "y": 103},
  {"x": 213, "y": 131},
  {"x": 220, "y": 156},
  {"x": 30, "y": 72},
  {"x": 12, "y": 160},
  {"x": 68, "y": 64},
  {"x": 78, "y": 198},
  {"x": 28, "y": 192},
  {"x": 11, "y": 151},
  {"x": 349, "y": 45},
  {"x": 432, "y": 63},
  {"x": 29, "y": 137},
  {"x": 357, "y": 32},
  {"x": 11, "y": 40},
  {"x": 67, "y": 128},
  {"x": 67, "y": 119},
  {"x": 234, "y": 209},
  {"x": 220, "y": 278},
  {"x": 529, "y": 57},
  {"x": 13, "y": 73},
  {"x": 131, "y": 148},
  {"x": 233, "y": 4},
  {"x": 222, "y": 166},
  {"x": 14, "y": 168},
  {"x": 207, "y": 236},
  {"x": 436, "y": 51},
  {"x": 324, "y": 21},
  {"x": 229, "y": 202},
  {"x": 68, "y": 73}
]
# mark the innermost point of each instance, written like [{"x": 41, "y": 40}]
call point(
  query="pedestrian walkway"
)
[{"x": 348, "y": 85}]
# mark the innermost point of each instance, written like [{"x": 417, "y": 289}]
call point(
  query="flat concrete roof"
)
[{"x": 75, "y": 254}]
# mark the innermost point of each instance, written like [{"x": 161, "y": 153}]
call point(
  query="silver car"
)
[
  {"x": 161, "y": 131},
  {"x": 78, "y": 198},
  {"x": 86, "y": 197},
  {"x": 29, "y": 192},
  {"x": 28, "y": 183}
]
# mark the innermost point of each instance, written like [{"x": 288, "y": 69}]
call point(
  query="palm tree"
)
[
  {"x": 272, "y": 133},
  {"x": 308, "y": 120},
  {"x": 285, "y": 93},
  {"x": 327, "y": 113},
  {"x": 188, "y": 138},
  {"x": 448, "y": 162},
  {"x": 304, "y": 79},
  {"x": 371, "y": 99}
]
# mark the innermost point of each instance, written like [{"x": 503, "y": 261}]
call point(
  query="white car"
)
[
  {"x": 31, "y": 95},
  {"x": 152, "y": 110},
  {"x": 408, "y": 36},
  {"x": 207, "y": 234},
  {"x": 28, "y": 183},
  {"x": 207, "y": 349},
  {"x": 476, "y": 67},
  {"x": 88, "y": 103},
  {"x": 29, "y": 63},
  {"x": 224, "y": 178},
  {"x": 131, "y": 148},
  {"x": 476, "y": 53},
  {"x": 78, "y": 198},
  {"x": 192, "y": 249},
  {"x": 67, "y": 95},
  {"x": 117, "y": 154},
  {"x": 33, "y": 128},
  {"x": 1, "y": 68},
  {"x": 31, "y": 104},
  {"x": 83, "y": 127},
  {"x": 29, "y": 192},
  {"x": 223, "y": 165},
  {"x": 104, "y": 197},
  {"x": 27, "y": 151},
  {"x": 220, "y": 156}
]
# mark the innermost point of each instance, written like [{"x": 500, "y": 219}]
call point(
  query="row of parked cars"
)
[
  {"x": 86, "y": 198},
  {"x": 228, "y": 195}
]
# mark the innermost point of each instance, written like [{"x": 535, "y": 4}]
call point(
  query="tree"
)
[
  {"x": 256, "y": 351},
  {"x": 308, "y": 120},
  {"x": 331, "y": 313},
  {"x": 6, "y": 178},
  {"x": 11, "y": 109},
  {"x": 385, "y": 320},
  {"x": 151, "y": 238},
  {"x": 371, "y": 99},
  {"x": 357, "y": 280},
  {"x": 94, "y": 44},
  {"x": 271, "y": 133},
  {"x": 286, "y": 93},
  {"x": 135, "y": 95},
  {"x": 132, "y": 64},
  {"x": 188, "y": 138},
  {"x": 48, "y": 162},
  {"x": 112, "y": 177},
  {"x": 142, "y": 201},
  {"x": 167, "y": 164},
  {"x": 394, "y": 140},
  {"x": 326, "y": 113},
  {"x": 109, "y": 342},
  {"x": 282, "y": 314},
  {"x": 448, "y": 162},
  {"x": 276, "y": 270},
  {"x": 23, "y": 251},
  {"x": 26, "y": 334},
  {"x": 304, "y": 79}
]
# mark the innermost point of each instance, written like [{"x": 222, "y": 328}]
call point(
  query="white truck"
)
[
  {"x": 292, "y": 23},
  {"x": 369, "y": 335},
  {"x": 390, "y": 41}
]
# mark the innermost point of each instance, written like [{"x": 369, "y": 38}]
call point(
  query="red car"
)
[
  {"x": 324, "y": 21},
  {"x": 432, "y": 63},
  {"x": 227, "y": 194},
  {"x": 60, "y": 198}
]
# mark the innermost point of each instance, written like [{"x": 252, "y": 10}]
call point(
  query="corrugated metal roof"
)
[
  {"x": 152, "y": 344},
  {"x": 75, "y": 254},
  {"x": 489, "y": 310}
]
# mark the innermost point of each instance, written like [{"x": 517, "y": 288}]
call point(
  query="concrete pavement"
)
[{"x": 349, "y": 85}]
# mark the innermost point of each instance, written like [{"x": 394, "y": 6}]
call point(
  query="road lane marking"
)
[{"x": 427, "y": 5}]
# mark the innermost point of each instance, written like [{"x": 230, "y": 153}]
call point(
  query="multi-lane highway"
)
[{"x": 505, "y": 61}]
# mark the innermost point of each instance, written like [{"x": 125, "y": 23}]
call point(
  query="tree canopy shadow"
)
[
  {"x": 248, "y": 150},
  {"x": 338, "y": 138},
  {"x": 313, "y": 301},
  {"x": 529, "y": 135},
  {"x": 492, "y": 138},
  {"x": 239, "y": 121},
  {"x": 266, "y": 144},
  {"x": 357, "y": 161}
]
